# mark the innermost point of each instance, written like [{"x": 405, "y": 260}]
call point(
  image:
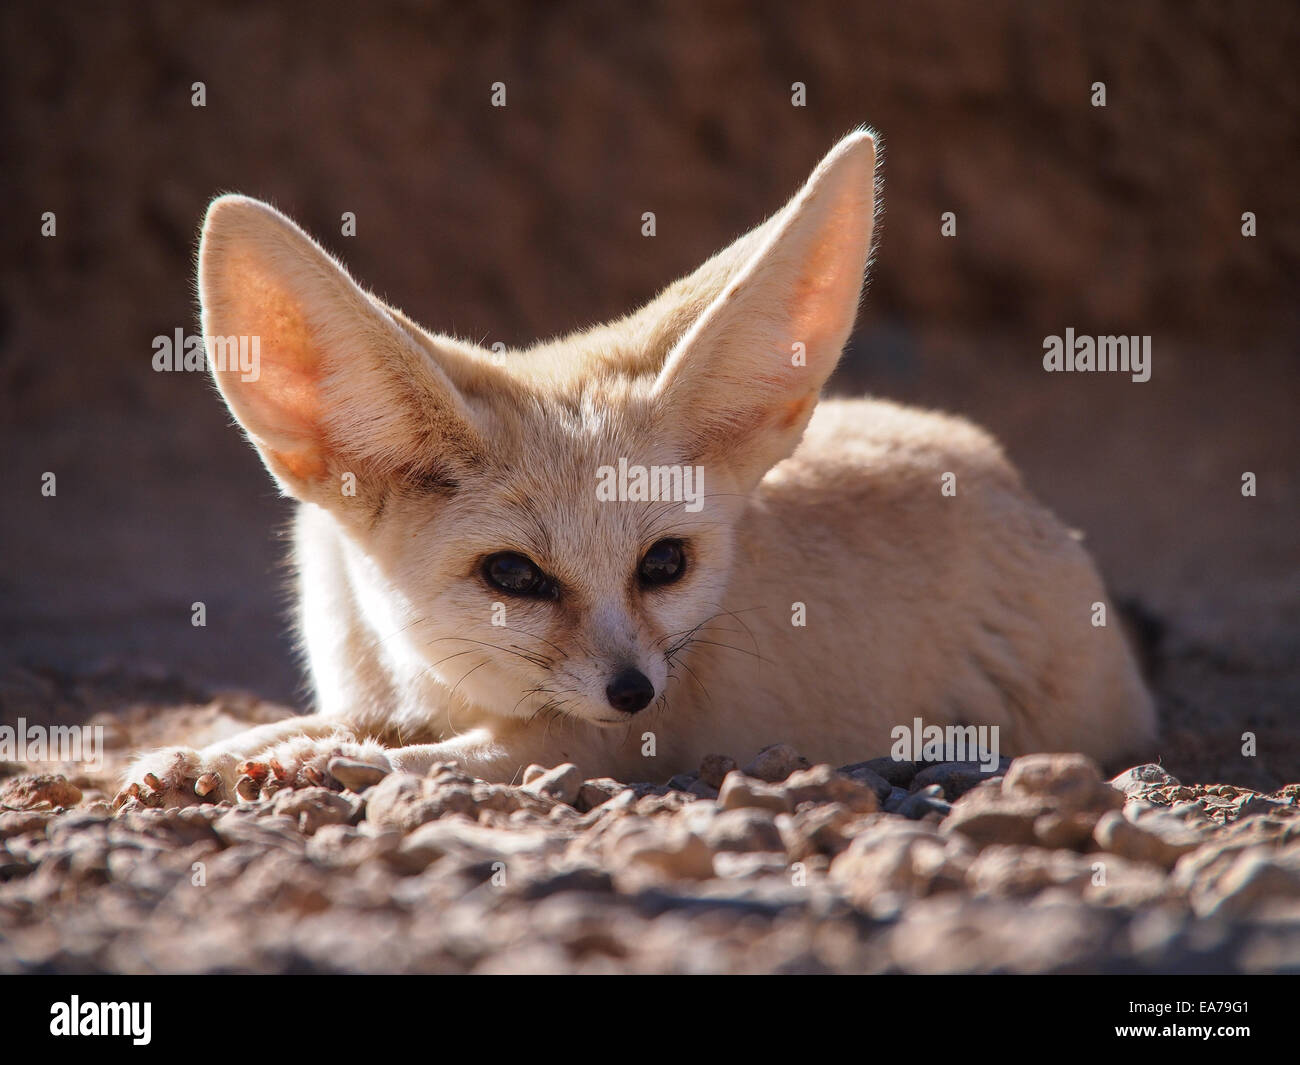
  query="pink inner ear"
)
[
  {"x": 824, "y": 300},
  {"x": 282, "y": 408}
]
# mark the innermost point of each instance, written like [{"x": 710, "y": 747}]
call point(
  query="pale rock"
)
[
  {"x": 900, "y": 856},
  {"x": 986, "y": 816},
  {"x": 1130, "y": 885},
  {"x": 750, "y": 865},
  {"x": 561, "y": 784},
  {"x": 34, "y": 790},
  {"x": 824, "y": 829},
  {"x": 661, "y": 851},
  {"x": 1071, "y": 830},
  {"x": 1235, "y": 879},
  {"x": 1141, "y": 778},
  {"x": 1008, "y": 870},
  {"x": 739, "y": 790},
  {"x": 597, "y": 792},
  {"x": 312, "y": 808},
  {"x": 468, "y": 843},
  {"x": 19, "y": 822},
  {"x": 746, "y": 829},
  {"x": 400, "y": 801},
  {"x": 1253, "y": 805},
  {"x": 649, "y": 805},
  {"x": 1157, "y": 838},
  {"x": 1071, "y": 782},
  {"x": 821, "y": 784}
]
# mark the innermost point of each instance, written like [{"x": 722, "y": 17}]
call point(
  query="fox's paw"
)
[
  {"x": 178, "y": 776},
  {"x": 335, "y": 762}
]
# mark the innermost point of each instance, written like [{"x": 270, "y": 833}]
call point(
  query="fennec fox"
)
[{"x": 648, "y": 527}]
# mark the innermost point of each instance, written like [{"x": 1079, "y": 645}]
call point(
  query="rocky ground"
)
[{"x": 778, "y": 866}]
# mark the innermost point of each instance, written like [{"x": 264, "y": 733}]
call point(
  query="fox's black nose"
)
[{"x": 629, "y": 691}]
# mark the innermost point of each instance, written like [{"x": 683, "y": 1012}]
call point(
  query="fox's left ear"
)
[
  {"x": 345, "y": 384},
  {"x": 741, "y": 384}
]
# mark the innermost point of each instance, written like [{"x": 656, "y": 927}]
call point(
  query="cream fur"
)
[{"x": 972, "y": 608}]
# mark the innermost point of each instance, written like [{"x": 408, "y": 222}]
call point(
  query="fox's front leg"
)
[
  {"x": 478, "y": 752},
  {"x": 183, "y": 776}
]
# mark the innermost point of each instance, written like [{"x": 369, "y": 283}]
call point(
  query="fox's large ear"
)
[
  {"x": 741, "y": 384},
  {"x": 341, "y": 385}
]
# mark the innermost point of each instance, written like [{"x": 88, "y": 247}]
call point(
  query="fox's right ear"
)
[
  {"x": 340, "y": 385},
  {"x": 739, "y": 387}
]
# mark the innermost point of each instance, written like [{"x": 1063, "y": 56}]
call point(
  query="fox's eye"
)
[
  {"x": 517, "y": 575},
  {"x": 663, "y": 563}
]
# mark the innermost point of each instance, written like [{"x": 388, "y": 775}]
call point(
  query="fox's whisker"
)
[
  {"x": 537, "y": 660},
  {"x": 730, "y": 647},
  {"x": 704, "y": 689},
  {"x": 541, "y": 691},
  {"x": 435, "y": 665},
  {"x": 543, "y": 639},
  {"x": 463, "y": 676}
]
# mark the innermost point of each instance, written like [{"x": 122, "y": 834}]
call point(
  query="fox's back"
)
[{"x": 895, "y": 567}]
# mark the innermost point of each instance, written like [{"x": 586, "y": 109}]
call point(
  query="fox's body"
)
[{"x": 473, "y": 597}]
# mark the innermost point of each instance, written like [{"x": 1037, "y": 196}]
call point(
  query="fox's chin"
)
[
  {"x": 592, "y": 715},
  {"x": 606, "y": 722}
]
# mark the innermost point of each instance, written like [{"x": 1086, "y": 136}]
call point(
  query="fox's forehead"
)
[
  {"x": 565, "y": 430},
  {"x": 583, "y": 492}
]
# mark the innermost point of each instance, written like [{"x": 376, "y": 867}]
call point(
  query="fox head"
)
[{"x": 546, "y": 528}]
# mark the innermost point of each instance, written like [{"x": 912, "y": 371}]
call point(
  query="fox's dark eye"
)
[
  {"x": 517, "y": 575},
  {"x": 663, "y": 563}
]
